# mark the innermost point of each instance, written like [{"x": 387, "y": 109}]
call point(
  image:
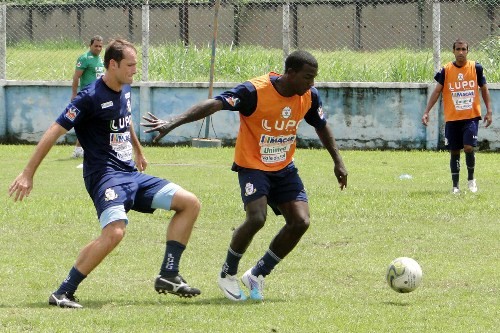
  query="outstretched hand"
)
[
  {"x": 163, "y": 127},
  {"x": 341, "y": 174},
  {"x": 21, "y": 187}
]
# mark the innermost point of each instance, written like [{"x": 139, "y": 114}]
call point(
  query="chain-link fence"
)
[{"x": 354, "y": 40}]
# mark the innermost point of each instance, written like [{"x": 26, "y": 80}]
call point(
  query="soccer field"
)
[{"x": 334, "y": 280}]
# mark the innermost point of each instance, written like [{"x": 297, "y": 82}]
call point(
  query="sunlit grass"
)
[
  {"x": 334, "y": 280},
  {"x": 177, "y": 63}
]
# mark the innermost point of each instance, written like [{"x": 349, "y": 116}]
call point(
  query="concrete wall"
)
[{"x": 362, "y": 115}]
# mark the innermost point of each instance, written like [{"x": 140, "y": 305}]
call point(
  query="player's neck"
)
[
  {"x": 282, "y": 88},
  {"x": 112, "y": 84}
]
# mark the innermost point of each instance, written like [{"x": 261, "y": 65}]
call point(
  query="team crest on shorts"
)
[
  {"x": 249, "y": 189},
  {"x": 110, "y": 194}
]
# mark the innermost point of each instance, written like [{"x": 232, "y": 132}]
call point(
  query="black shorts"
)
[
  {"x": 461, "y": 132},
  {"x": 279, "y": 187}
]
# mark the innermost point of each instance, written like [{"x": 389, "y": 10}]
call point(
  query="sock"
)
[
  {"x": 455, "y": 169},
  {"x": 470, "y": 161},
  {"x": 173, "y": 253},
  {"x": 230, "y": 266},
  {"x": 266, "y": 264},
  {"x": 70, "y": 284}
]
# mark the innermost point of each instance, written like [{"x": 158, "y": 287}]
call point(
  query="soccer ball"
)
[{"x": 404, "y": 275}]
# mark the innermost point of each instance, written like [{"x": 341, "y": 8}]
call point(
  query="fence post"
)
[
  {"x": 3, "y": 42},
  {"x": 145, "y": 42},
  {"x": 144, "y": 90},
  {"x": 3, "y": 69},
  {"x": 432, "y": 130},
  {"x": 421, "y": 24},
  {"x": 436, "y": 34},
  {"x": 286, "y": 29}
]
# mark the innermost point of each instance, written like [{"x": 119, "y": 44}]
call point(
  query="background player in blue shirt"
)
[{"x": 102, "y": 119}]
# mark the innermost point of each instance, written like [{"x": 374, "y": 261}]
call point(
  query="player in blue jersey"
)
[{"x": 102, "y": 119}]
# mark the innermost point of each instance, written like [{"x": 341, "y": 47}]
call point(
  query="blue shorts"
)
[
  {"x": 278, "y": 186},
  {"x": 461, "y": 132},
  {"x": 114, "y": 193}
]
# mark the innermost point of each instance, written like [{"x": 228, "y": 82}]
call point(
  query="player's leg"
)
[
  {"x": 256, "y": 212},
  {"x": 296, "y": 215},
  {"x": 470, "y": 141},
  {"x": 288, "y": 198},
  {"x": 110, "y": 193},
  {"x": 453, "y": 140},
  {"x": 88, "y": 259},
  {"x": 157, "y": 193},
  {"x": 254, "y": 185}
]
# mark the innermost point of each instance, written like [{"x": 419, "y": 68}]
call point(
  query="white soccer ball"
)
[{"x": 404, "y": 275}]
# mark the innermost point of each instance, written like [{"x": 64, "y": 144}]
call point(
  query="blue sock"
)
[
  {"x": 173, "y": 253},
  {"x": 455, "y": 169},
  {"x": 470, "y": 160},
  {"x": 266, "y": 264},
  {"x": 230, "y": 266},
  {"x": 70, "y": 284}
]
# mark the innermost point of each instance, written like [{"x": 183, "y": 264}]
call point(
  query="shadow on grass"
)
[
  {"x": 392, "y": 303},
  {"x": 99, "y": 304}
]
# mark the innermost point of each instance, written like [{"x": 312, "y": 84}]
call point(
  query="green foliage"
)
[
  {"x": 177, "y": 63},
  {"x": 334, "y": 281},
  {"x": 491, "y": 48}
]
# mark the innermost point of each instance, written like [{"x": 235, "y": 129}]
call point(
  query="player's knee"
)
[
  {"x": 185, "y": 201},
  {"x": 256, "y": 220},
  {"x": 299, "y": 224},
  {"x": 114, "y": 233},
  {"x": 192, "y": 203},
  {"x": 468, "y": 149}
]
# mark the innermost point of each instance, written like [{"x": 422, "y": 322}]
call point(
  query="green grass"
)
[
  {"x": 176, "y": 63},
  {"x": 334, "y": 281}
]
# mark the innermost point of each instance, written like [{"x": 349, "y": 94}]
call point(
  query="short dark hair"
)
[
  {"x": 95, "y": 38},
  {"x": 297, "y": 59},
  {"x": 114, "y": 50},
  {"x": 460, "y": 41}
]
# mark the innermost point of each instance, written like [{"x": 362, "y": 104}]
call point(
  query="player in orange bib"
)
[
  {"x": 271, "y": 107},
  {"x": 459, "y": 82}
]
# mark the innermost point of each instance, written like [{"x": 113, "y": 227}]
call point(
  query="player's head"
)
[
  {"x": 460, "y": 41},
  {"x": 460, "y": 50},
  {"x": 297, "y": 59},
  {"x": 96, "y": 43},
  {"x": 121, "y": 59},
  {"x": 301, "y": 67}
]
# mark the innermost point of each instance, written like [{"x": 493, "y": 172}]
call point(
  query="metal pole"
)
[
  {"x": 3, "y": 42},
  {"x": 212, "y": 63},
  {"x": 145, "y": 42},
  {"x": 286, "y": 29},
  {"x": 436, "y": 34}
]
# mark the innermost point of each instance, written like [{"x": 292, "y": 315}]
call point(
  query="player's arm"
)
[
  {"x": 316, "y": 118},
  {"x": 76, "y": 80},
  {"x": 22, "y": 185},
  {"x": 140, "y": 160},
  {"x": 488, "y": 118},
  {"x": 327, "y": 138},
  {"x": 485, "y": 93},
  {"x": 432, "y": 100},
  {"x": 196, "y": 112}
]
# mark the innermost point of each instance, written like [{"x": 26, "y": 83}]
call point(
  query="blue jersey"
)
[{"x": 101, "y": 118}]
